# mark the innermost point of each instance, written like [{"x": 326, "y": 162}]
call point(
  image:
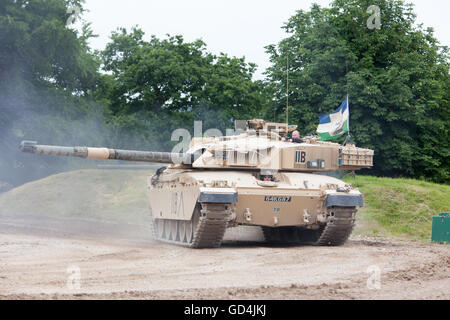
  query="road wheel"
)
[
  {"x": 159, "y": 228},
  {"x": 188, "y": 231},
  {"x": 173, "y": 233}
]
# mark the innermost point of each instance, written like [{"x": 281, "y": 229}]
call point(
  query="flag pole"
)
[
  {"x": 348, "y": 121},
  {"x": 348, "y": 106},
  {"x": 348, "y": 124}
]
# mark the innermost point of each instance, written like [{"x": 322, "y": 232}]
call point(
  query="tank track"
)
[
  {"x": 206, "y": 229},
  {"x": 334, "y": 233}
]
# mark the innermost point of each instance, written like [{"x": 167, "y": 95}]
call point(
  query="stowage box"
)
[{"x": 441, "y": 228}]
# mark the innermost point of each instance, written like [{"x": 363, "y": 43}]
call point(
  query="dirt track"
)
[{"x": 35, "y": 257}]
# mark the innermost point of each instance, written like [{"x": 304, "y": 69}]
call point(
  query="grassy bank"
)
[
  {"x": 399, "y": 207},
  {"x": 113, "y": 195},
  {"x": 393, "y": 207}
]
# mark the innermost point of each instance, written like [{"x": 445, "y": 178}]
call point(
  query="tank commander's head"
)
[
  {"x": 296, "y": 137},
  {"x": 267, "y": 176}
]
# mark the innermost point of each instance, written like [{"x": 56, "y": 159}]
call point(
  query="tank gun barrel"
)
[{"x": 107, "y": 154}]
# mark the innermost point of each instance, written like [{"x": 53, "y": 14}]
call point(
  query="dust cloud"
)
[{"x": 28, "y": 113}]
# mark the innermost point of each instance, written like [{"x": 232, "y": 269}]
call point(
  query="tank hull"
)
[{"x": 296, "y": 200}]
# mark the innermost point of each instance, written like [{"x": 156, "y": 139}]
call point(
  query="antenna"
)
[{"x": 287, "y": 92}]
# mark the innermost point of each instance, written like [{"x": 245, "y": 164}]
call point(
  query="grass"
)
[
  {"x": 399, "y": 207},
  {"x": 393, "y": 207}
]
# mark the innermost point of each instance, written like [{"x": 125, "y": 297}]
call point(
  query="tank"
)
[{"x": 256, "y": 177}]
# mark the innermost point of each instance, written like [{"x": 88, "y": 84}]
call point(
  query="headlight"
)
[
  {"x": 331, "y": 186},
  {"x": 220, "y": 184}
]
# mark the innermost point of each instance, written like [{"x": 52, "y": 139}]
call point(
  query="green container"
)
[{"x": 441, "y": 228}]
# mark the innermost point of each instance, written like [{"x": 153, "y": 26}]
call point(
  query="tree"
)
[
  {"x": 47, "y": 74},
  {"x": 159, "y": 85},
  {"x": 397, "y": 77},
  {"x": 38, "y": 47}
]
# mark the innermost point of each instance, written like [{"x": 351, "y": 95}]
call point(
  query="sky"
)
[{"x": 240, "y": 28}]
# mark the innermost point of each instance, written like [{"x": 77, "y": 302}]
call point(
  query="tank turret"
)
[
  {"x": 257, "y": 145},
  {"x": 264, "y": 145}
]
